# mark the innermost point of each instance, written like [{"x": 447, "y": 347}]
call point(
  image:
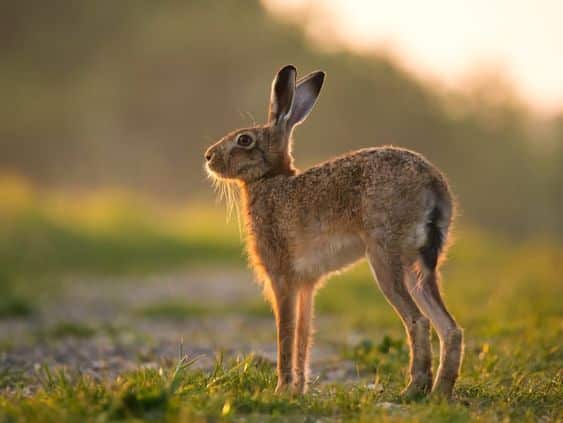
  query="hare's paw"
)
[
  {"x": 282, "y": 388},
  {"x": 417, "y": 389},
  {"x": 299, "y": 387},
  {"x": 285, "y": 383},
  {"x": 443, "y": 388}
]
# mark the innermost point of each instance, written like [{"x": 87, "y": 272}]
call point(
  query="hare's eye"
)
[{"x": 245, "y": 140}]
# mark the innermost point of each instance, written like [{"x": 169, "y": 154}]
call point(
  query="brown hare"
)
[{"x": 385, "y": 203}]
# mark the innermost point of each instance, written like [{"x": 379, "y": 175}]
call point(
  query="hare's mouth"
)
[
  {"x": 215, "y": 170},
  {"x": 221, "y": 175}
]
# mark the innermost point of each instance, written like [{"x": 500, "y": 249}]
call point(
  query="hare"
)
[{"x": 384, "y": 203}]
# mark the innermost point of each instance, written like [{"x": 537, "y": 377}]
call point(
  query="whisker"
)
[
  {"x": 251, "y": 118},
  {"x": 228, "y": 192}
]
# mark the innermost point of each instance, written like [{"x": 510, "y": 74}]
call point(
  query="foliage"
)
[{"x": 139, "y": 91}]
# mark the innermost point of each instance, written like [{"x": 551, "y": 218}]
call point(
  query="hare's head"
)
[{"x": 253, "y": 153}]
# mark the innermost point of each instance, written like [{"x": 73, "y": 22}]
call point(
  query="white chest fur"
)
[{"x": 323, "y": 254}]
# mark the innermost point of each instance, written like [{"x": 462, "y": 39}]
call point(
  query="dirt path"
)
[{"x": 97, "y": 327}]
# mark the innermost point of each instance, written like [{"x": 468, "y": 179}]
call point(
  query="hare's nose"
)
[{"x": 208, "y": 155}]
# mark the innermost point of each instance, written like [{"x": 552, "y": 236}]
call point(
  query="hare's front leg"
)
[
  {"x": 304, "y": 338},
  {"x": 284, "y": 308}
]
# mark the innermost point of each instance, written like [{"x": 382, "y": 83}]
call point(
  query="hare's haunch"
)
[{"x": 387, "y": 204}]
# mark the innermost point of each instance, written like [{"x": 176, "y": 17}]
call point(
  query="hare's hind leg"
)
[
  {"x": 388, "y": 270},
  {"x": 285, "y": 303},
  {"x": 304, "y": 337},
  {"x": 426, "y": 293}
]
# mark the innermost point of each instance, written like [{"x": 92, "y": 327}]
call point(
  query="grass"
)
[
  {"x": 506, "y": 295},
  {"x": 15, "y": 306},
  {"x": 44, "y": 238},
  {"x": 243, "y": 389},
  {"x": 67, "y": 329},
  {"x": 48, "y": 243},
  {"x": 180, "y": 310}
]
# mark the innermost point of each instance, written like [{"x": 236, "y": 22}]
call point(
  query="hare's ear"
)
[
  {"x": 281, "y": 97},
  {"x": 306, "y": 94}
]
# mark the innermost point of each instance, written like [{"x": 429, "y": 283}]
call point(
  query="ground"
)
[{"x": 136, "y": 320}]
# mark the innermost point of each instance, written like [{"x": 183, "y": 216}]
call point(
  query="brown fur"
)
[{"x": 301, "y": 226}]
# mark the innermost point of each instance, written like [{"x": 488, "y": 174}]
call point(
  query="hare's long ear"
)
[
  {"x": 283, "y": 92},
  {"x": 306, "y": 94}
]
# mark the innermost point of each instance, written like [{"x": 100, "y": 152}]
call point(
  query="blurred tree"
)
[{"x": 130, "y": 93}]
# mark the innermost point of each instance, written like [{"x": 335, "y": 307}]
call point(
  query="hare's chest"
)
[{"x": 315, "y": 257}]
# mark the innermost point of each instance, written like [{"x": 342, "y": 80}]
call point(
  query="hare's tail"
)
[{"x": 437, "y": 228}]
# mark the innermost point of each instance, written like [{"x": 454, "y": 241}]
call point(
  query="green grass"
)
[
  {"x": 506, "y": 295},
  {"x": 15, "y": 306},
  {"x": 45, "y": 238},
  {"x": 67, "y": 329},
  {"x": 243, "y": 388},
  {"x": 39, "y": 243},
  {"x": 181, "y": 310}
]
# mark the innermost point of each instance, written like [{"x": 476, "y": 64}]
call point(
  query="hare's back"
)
[
  {"x": 387, "y": 188},
  {"x": 379, "y": 172},
  {"x": 389, "y": 171}
]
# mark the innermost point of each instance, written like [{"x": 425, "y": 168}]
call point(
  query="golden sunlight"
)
[{"x": 448, "y": 40}]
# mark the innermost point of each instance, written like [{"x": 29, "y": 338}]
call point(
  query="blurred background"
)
[
  {"x": 128, "y": 95},
  {"x": 108, "y": 106}
]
